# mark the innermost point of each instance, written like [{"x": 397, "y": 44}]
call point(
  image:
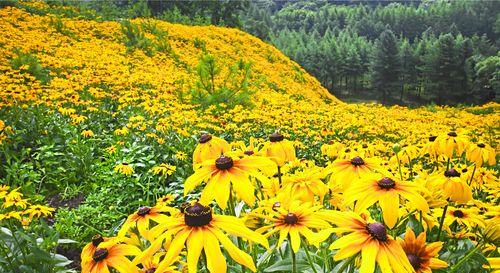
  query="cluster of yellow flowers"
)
[
  {"x": 264, "y": 193},
  {"x": 13, "y": 205}
]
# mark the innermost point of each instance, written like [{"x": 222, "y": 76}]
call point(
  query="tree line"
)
[{"x": 445, "y": 52}]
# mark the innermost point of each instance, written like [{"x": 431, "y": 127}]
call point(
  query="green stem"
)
[
  {"x": 309, "y": 259},
  {"x": 448, "y": 164},
  {"x": 279, "y": 175},
  {"x": 441, "y": 222},
  {"x": 294, "y": 260},
  {"x": 465, "y": 258},
  {"x": 17, "y": 242},
  {"x": 472, "y": 176},
  {"x": 346, "y": 264},
  {"x": 399, "y": 167}
]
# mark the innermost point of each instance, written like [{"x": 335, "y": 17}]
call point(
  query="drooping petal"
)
[
  {"x": 236, "y": 254},
  {"x": 216, "y": 262},
  {"x": 194, "y": 245}
]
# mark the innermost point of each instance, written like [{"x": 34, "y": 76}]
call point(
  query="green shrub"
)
[
  {"x": 32, "y": 250},
  {"x": 134, "y": 38},
  {"x": 233, "y": 91},
  {"x": 29, "y": 63}
]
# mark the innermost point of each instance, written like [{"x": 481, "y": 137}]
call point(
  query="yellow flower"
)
[
  {"x": 480, "y": 153},
  {"x": 454, "y": 187},
  {"x": 124, "y": 168},
  {"x": 450, "y": 144},
  {"x": 111, "y": 149},
  {"x": 421, "y": 256},
  {"x": 372, "y": 240},
  {"x": 226, "y": 173},
  {"x": 163, "y": 169},
  {"x": 209, "y": 147},
  {"x": 468, "y": 217},
  {"x": 38, "y": 210},
  {"x": 279, "y": 149},
  {"x": 197, "y": 229},
  {"x": 386, "y": 191},
  {"x": 87, "y": 133},
  {"x": 141, "y": 219},
  {"x": 305, "y": 185},
  {"x": 293, "y": 219},
  {"x": 180, "y": 155},
  {"x": 111, "y": 253},
  {"x": 344, "y": 172}
]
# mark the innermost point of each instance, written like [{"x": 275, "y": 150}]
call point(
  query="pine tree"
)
[{"x": 385, "y": 66}]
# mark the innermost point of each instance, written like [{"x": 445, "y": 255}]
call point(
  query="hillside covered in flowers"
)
[{"x": 157, "y": 142}]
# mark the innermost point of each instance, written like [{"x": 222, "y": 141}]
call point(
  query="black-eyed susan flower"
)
[
  {"x": 163, "y": 169},
  {"x": 226, "y": 173},
  {"x": 279, "y": 149},
  {"x": 480, "y": 153},
  {"x": 423, "y": 257},
  {"x": 305, "y": 185},
  {"x": 454, "y": 187},
  {"x": 38, "y": 211},
  {"x": 387, "y": 192},
  {"x": 124, "y": 168},
  {"x": 87, "y": 133},
  {"x": 451, "y": 143},
  {"x": 371, "y": 240},
  {"x": 89, "y": 249},
  {"x": 468, "y": 217},
  {"x": 197, "y": 228},
  {"x": 111, "y": 253},
  {"x": 293, "y": 219},
  {"x": 209, "y": 147},
  {"x": 345, "y": 171},
  {"x": 141, "y": 219}
]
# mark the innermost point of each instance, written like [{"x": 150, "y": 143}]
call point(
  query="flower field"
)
[{"x": 144, "y": 146}]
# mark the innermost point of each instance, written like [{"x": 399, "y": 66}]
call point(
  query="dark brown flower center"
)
[
  {"x": 386, "y": 183},
  {"x": 291, "y": 219},
  {"x": 377, "y": 231},
  {"x": 432, "y": 138},
  {"x": 125, "y": 164},
  {"x": 276, "y": 137},
  {"x": 224, "y": 162},
  {"x": 452, "y": 134},
  {"x": 205, "y": 138},
  {"x": 458, "y": 214},
  {"x": 197, "y": 215},
  {"x": 451, "y": 173},
  {"x": 151, "y": 270},
  {"x": 414, "y": 260},
  {"x": 481, "y": 145},
  {"x": 142, "y": 211},
  {"x": 357, "y": 161},
  {"x": 97, "y": 239},
  {"x": 100, "y": 254},
  {"x": 248, "y": 152},
  {"x": 365, "y": 146}
]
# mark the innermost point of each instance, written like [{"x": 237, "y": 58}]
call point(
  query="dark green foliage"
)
[
  {"x": 386, "y": 65},
  {"x": 213, "y": 88},
  {"x": 336, "y": 42}
]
